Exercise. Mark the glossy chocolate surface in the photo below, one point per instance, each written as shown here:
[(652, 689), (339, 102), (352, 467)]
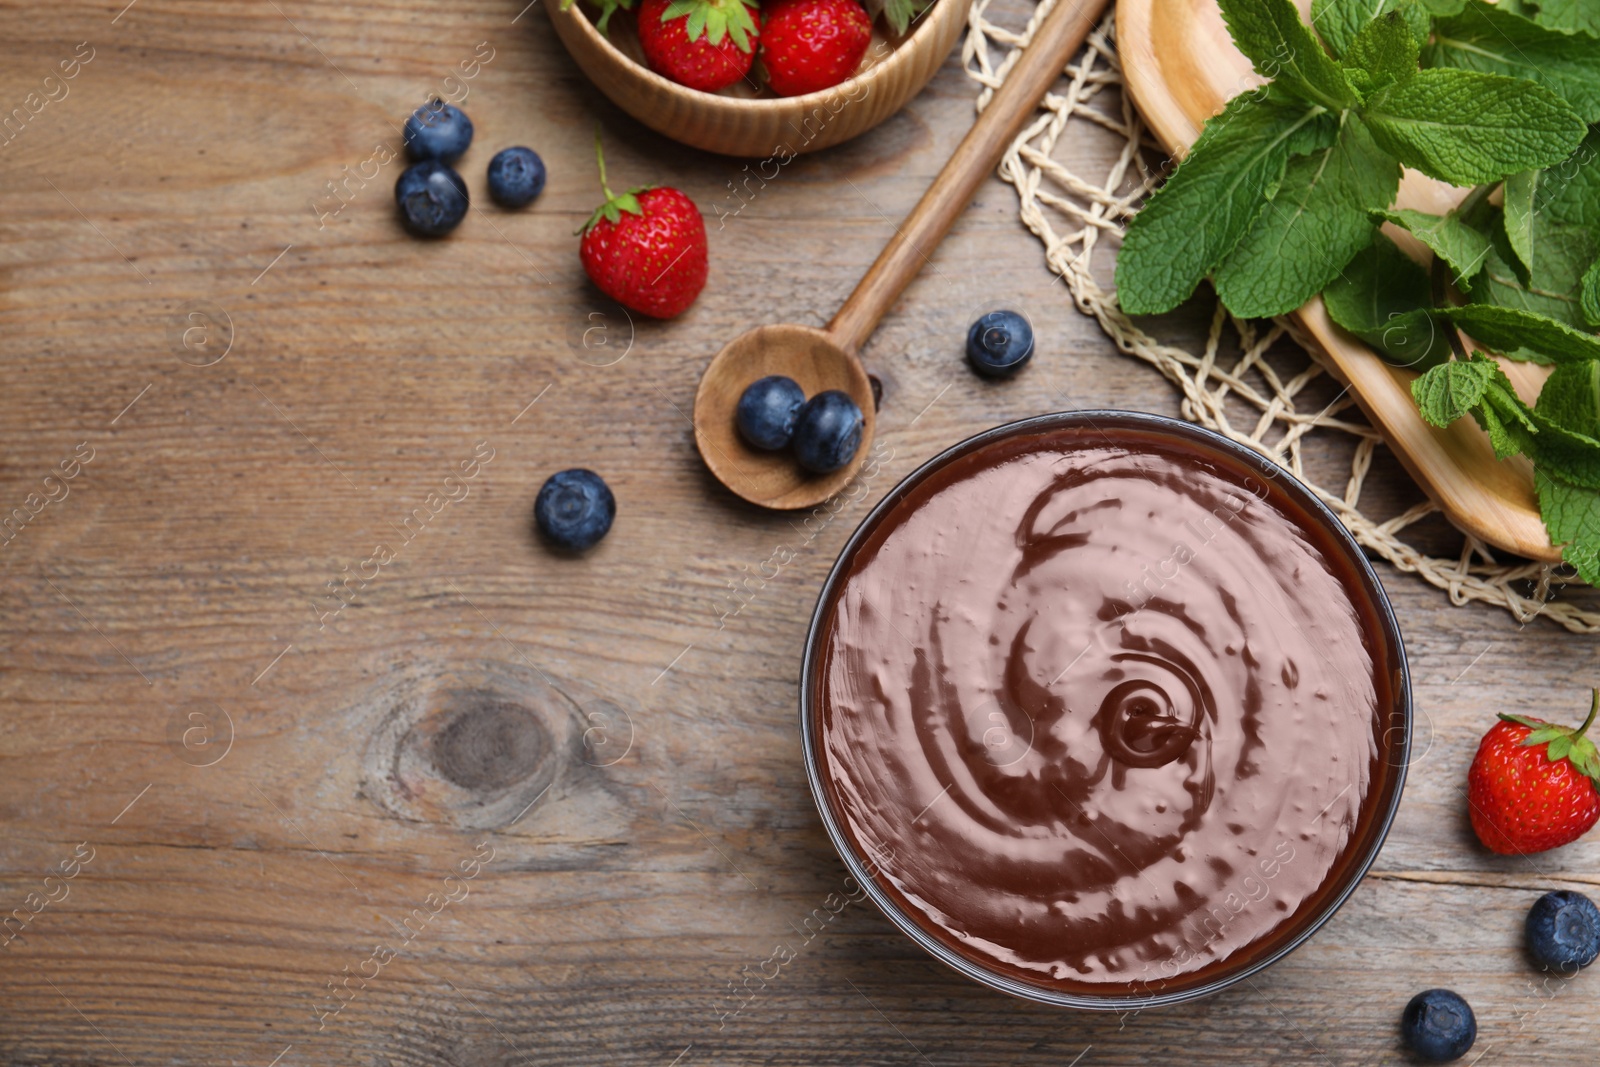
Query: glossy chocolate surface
[(1104, 709)]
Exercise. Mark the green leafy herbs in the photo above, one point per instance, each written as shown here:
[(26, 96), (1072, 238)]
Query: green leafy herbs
[(1484, 38), (1339, 22), (1282, 47), (1589, 294), (1313, 226), (1384, 52), (1451, 390), (1459, 244), (1211, 201), (1464, 126), (1288, 191), (1384, 298), (1274, 197), (1568, 16)]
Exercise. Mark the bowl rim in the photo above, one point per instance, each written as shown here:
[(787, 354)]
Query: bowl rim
[(900, 54), (1397, 756)]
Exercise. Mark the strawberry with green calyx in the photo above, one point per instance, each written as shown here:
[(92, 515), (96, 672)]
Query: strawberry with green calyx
[(645, 249), (1534, 785), (702, 44), (607, 9)]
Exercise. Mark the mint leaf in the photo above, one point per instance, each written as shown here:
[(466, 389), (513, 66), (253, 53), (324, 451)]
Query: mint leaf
[(1566, 237), (1212, 199), (1572, 517), (1519, 191), (1570, 16), (1384, 52), (1312, 228), (1452, 240), (1340, 21), (1553, 289), (1589, 294), (1566, 454), (1525, 335), (1384, 298), (1505, 418), (1465, 127), (1486, 39), (1449, 391), (1281, 47), (1571, 398)]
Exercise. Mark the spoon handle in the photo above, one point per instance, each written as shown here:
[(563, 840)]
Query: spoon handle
[(1057, 38)]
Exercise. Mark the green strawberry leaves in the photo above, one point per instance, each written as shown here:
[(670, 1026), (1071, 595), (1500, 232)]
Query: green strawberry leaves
[(1464, 126), (614, 206), (1563, 742), (715, 20)]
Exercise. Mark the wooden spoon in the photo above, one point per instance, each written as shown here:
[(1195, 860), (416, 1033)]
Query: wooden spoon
[(1181, 67), (827, 359)]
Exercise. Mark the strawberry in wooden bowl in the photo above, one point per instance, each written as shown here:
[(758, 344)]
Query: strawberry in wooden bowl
[(766, 80)]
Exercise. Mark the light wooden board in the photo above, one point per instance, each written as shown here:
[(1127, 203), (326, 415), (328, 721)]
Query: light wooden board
[(183, 572)]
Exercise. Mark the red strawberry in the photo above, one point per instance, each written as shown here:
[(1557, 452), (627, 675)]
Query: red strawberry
[(809, 45), (703, 44), (1533, 786), (646, 249)]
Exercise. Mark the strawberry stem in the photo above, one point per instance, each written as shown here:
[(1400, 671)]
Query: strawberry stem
[(600, 158), (1594, 706)]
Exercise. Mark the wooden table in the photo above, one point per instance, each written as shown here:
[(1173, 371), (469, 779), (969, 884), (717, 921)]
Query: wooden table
[(232, 793)]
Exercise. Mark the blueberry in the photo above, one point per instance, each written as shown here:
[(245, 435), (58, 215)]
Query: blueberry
[(767, 411), (574, 509), (437, 131), (827, 432), (432, 198), (516, 176), (999, 344), (1438, 1026), (1563, 931)]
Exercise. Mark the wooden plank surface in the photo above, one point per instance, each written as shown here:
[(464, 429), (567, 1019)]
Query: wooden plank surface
[(231, 770)]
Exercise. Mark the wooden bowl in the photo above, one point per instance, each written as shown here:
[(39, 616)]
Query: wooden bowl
[(738, 121)]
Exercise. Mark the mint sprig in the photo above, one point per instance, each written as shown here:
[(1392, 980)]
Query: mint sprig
[(1283, 194)]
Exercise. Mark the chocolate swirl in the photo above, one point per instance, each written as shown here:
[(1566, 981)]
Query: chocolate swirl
[(1106, 705)]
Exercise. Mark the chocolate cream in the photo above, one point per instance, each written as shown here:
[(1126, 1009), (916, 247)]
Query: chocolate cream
[(1102, 708)]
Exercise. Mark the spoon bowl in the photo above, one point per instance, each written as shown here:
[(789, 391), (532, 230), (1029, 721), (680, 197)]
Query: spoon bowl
[(826, 359), (815, 360)]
